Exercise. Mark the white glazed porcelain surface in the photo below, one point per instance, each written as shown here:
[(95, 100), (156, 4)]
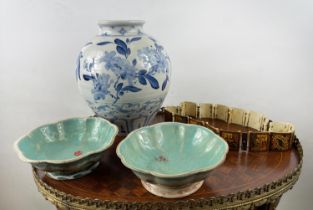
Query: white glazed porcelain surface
[(123, 74)]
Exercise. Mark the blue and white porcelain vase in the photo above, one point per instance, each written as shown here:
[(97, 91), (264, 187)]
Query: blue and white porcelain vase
[(123, 74)]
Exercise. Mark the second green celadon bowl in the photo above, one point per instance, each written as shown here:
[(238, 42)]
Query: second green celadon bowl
[(172, 159), (67, 149)]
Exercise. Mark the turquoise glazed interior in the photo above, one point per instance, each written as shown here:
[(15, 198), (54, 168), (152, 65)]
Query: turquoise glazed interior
[(172, 150), (67, 146)]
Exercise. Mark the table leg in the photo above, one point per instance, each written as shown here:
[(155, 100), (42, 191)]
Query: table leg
[(269, 206), (62, 208)]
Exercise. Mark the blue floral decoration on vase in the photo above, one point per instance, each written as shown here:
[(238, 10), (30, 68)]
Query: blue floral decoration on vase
[(123, 74)]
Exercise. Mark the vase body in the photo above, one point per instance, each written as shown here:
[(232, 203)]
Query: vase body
[(123, 74)]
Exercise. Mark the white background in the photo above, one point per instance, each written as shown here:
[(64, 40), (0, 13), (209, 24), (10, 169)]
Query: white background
[(250, 54)]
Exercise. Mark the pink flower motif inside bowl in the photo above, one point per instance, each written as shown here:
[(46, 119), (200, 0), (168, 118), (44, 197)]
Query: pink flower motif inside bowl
[(77, 153)]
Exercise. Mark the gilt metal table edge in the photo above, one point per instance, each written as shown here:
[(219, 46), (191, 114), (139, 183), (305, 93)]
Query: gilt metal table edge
[(268, 193)]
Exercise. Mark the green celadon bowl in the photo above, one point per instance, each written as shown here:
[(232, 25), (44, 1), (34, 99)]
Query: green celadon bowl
[(67, 149), (172, 159)]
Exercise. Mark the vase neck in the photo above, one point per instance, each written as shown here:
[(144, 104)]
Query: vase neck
[(120, 28)]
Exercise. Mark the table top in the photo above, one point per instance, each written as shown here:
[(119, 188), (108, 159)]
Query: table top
[(244, 179)]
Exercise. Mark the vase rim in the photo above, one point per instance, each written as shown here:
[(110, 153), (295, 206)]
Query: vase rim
[(121, 22)]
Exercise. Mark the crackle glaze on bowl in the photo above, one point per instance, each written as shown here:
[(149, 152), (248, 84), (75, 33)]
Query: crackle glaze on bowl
[(123, 74), (67, 149), (172, 159)]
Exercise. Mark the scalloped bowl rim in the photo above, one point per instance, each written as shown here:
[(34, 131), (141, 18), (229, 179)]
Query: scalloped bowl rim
[(184, 174), (25, 159)]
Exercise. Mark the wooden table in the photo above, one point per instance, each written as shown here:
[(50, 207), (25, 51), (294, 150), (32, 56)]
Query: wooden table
[(246, 180)]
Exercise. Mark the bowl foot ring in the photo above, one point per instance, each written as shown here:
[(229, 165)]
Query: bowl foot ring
[(172, 192), (59, 176)]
